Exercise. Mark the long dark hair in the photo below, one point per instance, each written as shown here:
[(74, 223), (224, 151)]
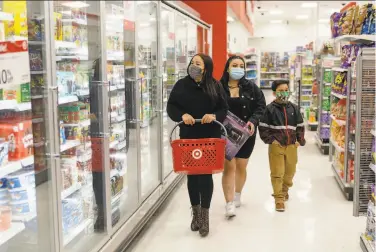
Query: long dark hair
[(208, 83), (226, 76)]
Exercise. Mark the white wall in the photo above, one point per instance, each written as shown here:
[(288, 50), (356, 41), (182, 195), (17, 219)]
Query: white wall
[(238, 42), (283, 37)]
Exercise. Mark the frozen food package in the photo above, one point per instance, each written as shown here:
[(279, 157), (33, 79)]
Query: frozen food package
[(237, 134)]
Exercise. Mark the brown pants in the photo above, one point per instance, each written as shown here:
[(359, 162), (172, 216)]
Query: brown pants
[(282, 161)]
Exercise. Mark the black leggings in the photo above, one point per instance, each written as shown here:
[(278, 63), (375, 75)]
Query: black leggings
[(200, 189)]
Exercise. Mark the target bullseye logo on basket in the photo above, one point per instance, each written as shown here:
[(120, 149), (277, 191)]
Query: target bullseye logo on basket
[(197, 154)]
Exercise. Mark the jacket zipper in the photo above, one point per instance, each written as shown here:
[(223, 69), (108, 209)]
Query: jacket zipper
[(287, 131)]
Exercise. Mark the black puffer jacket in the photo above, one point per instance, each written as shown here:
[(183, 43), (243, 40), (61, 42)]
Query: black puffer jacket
[(253, 100), (282, 122), (189, 97)]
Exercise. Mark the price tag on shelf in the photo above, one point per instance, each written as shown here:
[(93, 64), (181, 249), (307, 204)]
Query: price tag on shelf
[(14, 63)]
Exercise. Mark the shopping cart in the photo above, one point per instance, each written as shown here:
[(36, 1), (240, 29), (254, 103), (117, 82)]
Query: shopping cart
[(198, 156)]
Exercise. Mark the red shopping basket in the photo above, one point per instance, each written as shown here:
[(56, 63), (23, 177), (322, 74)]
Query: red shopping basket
[(198, 156)]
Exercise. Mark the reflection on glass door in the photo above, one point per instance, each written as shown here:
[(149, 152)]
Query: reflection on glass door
[(25, 174), (168, 80), (148, 90), (80, 105), (121, 72), (192, 40), (181, 28)]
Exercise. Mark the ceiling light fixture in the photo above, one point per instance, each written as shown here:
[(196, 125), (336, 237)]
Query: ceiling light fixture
[(275, 21), (75, 4), (302, 17), (230, 19), (309, 5), (276, 12)]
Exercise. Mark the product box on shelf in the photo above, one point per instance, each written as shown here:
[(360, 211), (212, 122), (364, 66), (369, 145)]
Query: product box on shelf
[(37, 84), (339, 109), (5, 218), (35, 29), (17, 26), (36, 59), (72, 213), (19, 137), (69, 172)]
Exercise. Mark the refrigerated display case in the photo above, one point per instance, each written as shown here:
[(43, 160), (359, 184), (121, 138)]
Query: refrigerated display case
[(181, 50), (83, 163)]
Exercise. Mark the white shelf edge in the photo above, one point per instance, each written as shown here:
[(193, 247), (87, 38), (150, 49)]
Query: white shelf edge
[(338, 148), (76, 231), (14, 166), (15, 228), (339, 122), (339, 96)]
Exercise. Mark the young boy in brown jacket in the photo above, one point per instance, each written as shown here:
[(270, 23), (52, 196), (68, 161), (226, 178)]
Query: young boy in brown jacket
[(282, 127)]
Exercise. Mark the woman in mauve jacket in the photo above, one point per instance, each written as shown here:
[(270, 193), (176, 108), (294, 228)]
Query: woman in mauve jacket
[(198, 96), (246, 100)]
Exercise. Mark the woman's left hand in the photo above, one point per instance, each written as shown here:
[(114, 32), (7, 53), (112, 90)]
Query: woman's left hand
[(208, 118), (251, 128)]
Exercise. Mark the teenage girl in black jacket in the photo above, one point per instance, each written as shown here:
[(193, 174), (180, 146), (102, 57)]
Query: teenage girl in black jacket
[(198, 96), (247, 102)]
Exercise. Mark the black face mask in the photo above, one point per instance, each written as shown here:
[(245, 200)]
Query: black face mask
[(194, 72)]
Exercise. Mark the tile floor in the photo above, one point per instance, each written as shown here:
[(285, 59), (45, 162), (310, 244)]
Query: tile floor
[(317, 217)]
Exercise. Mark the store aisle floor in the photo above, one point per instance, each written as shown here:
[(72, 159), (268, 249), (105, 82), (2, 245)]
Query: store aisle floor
[(317, 217)]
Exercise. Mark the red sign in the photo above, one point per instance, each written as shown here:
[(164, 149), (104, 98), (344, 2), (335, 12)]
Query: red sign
[(129, 25), (13, 47)]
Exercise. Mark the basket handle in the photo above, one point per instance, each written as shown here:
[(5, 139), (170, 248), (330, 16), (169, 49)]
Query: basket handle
[(197, 121)]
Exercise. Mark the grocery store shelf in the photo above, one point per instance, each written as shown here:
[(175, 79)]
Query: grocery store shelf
[(69, 191), (373, 167), (14, 229), (116, 197), (274, 72), (24, 218), (338, 69), (13, 105), (345, 187), (14, 166), (251, 78), (356, 38), (274, 79), (76, 231), (313, 123), (339, 96), (365, 244), (338, 121), (373, 132), (67, 99), (84, 123), (335, 144), (69, 145)]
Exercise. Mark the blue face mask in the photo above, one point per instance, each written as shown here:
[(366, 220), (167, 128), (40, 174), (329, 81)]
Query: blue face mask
[(236, 73)]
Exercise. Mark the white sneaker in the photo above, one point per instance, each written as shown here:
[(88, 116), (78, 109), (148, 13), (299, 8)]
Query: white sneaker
[(237, 201), (230, 209)]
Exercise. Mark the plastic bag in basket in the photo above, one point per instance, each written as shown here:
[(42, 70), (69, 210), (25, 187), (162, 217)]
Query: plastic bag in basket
[(237, 134)]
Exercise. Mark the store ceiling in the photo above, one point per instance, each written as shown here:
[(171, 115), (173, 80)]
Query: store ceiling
[(287, 11)]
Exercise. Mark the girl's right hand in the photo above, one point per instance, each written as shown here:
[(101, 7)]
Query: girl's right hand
[(188, 119)]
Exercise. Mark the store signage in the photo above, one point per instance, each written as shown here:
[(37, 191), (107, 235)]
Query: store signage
[(14, 63), (328, 63)]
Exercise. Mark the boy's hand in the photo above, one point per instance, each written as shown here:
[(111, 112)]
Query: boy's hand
[(251, 128), (297, 144)]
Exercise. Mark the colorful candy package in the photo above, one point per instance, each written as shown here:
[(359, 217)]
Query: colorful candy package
[(334, 19)]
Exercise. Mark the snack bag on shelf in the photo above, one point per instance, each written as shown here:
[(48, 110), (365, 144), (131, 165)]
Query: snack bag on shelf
[(324, 133), (370, 18), (326, 104), (346, 56), (374, 151), (58, 26), (325, 118), (341, 109), (334, 20), (362, 15), (327, 76), (346, 21)]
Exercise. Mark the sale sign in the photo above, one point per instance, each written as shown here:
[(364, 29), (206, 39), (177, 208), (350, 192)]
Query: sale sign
[(14, 64)]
